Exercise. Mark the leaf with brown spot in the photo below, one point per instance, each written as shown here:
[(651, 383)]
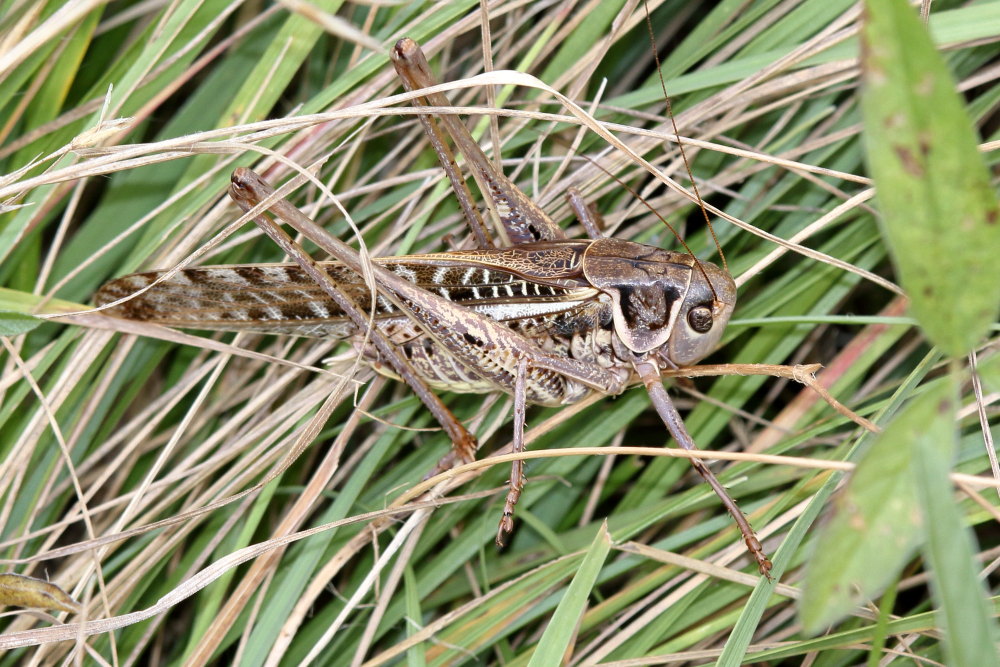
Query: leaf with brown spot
[(938, 209)]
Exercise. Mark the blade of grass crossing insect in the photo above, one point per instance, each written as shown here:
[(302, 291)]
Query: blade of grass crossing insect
[(562, 627), (941, 217)]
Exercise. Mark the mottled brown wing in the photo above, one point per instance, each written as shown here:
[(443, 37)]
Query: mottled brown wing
[(275, 298), (282, 299)]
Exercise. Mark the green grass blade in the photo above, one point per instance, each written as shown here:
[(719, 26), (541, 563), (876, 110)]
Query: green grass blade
[(563, 625)]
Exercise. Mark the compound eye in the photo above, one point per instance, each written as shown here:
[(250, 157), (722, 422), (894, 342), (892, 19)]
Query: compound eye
[(700, 319)]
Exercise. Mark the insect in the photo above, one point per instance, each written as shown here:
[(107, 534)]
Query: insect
[(537, 315)]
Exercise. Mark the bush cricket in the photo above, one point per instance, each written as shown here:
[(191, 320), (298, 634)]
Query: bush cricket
[(537, 315)]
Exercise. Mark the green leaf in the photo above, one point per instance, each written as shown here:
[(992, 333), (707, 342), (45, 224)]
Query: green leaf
[(940, 215), (875, 526), (563, 625), (989, 373), (970, 634), (14, 324)]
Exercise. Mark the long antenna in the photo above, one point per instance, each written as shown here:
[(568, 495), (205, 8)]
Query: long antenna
[(680, 144)]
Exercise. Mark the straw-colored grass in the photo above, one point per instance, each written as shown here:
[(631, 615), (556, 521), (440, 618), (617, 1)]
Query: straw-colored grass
[(244, 499)]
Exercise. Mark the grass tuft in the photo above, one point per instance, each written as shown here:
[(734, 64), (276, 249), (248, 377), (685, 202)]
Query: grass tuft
[(245, 499)]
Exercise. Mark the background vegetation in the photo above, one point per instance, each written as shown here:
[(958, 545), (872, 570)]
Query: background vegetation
[(131, 464)]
